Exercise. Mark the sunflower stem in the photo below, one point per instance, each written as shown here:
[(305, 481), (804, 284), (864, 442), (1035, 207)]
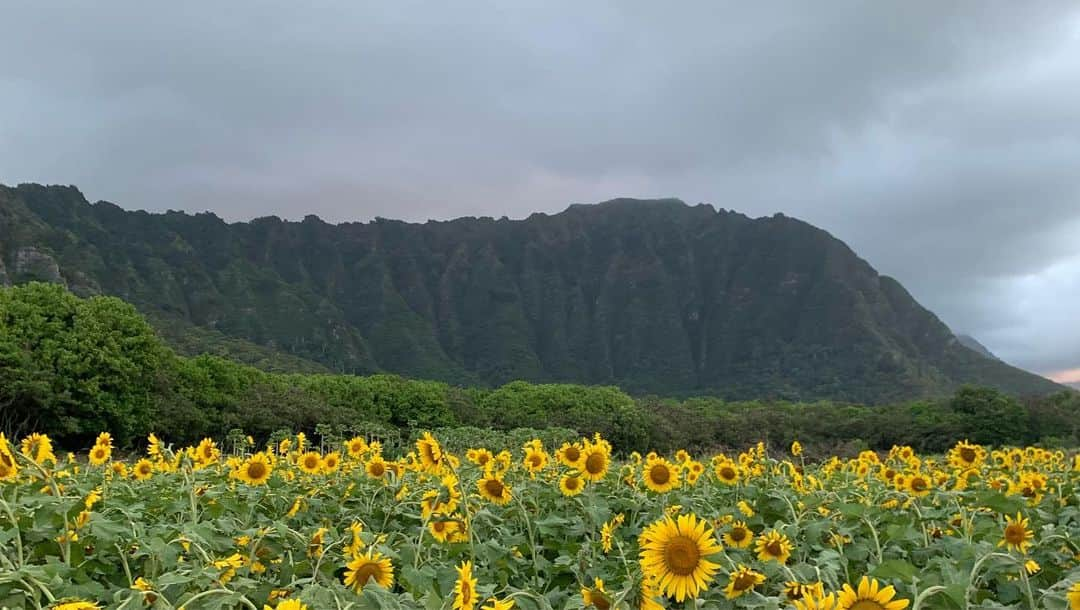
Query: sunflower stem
[(532, 538), (924, 594)]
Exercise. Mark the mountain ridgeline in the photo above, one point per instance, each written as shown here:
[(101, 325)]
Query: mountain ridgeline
[(653, 296)]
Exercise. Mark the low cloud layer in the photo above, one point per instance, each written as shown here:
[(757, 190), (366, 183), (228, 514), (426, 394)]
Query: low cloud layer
[(941, 141)]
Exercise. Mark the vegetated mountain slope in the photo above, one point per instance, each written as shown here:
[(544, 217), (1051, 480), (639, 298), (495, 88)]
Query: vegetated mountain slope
[(654, 296)]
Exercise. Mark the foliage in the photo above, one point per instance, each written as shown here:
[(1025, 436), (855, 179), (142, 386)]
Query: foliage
[(247, 526), (70, 367), (76, 366)]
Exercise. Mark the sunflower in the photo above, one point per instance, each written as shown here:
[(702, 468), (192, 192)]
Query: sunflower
[(315, 543), (494, 488), (9, 469), (465, 588), (773, 546), (447, 530), (355, 447), (430, 452), (694, 467), (497, 604), (569, 455), (966, 455), (870, 595), (739, 536), (256, 470), (607, 532), (649, 592), (481, 457), (1074, 596), (357, 543), (146, 587), (38, 447), (153, 447), (288, 604), (143, 470), (814, 602), (727, 472), (104, 439), (741, 581), (311, 462), (376, 467), (441, 501), (1017, 535), (660, 475), (595, 461), (535, 459), (331, 462), (571, 484), (369, 567), (794, 590), (596, 596), (207, 452), (917, 484), (77, 605), (674, 551), (100, 454)]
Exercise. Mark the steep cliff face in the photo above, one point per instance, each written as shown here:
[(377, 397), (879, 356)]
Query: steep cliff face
[(655, 296)]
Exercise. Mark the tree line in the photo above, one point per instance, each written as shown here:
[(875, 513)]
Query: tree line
[(73, 367)]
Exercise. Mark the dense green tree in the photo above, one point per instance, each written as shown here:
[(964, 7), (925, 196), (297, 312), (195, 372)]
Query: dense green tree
[(73, 367), (77, 366), (991, 417)]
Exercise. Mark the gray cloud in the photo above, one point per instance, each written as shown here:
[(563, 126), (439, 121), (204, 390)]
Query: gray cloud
[(939, 140)]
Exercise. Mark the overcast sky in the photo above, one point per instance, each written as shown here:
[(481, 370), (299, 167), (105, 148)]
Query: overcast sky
[(940, 140)]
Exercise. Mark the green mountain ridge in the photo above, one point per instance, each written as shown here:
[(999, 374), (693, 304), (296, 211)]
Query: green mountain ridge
[(654, 296)]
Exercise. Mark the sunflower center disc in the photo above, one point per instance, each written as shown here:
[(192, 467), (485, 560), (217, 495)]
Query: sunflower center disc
[(366, 572), (257, 470), (494, 487), (727, 472), (659, 474), (967, 454), (738, 534), (682, 555), (918, 485), (595, 463), (744, 582), (867, 604), (774, 548), (572, 454), (1014, 534)]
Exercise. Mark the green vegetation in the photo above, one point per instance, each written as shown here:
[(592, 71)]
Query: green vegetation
[(72, 367), (655, 297)]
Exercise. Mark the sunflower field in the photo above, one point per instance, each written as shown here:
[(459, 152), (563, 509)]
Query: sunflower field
[(290, 526)]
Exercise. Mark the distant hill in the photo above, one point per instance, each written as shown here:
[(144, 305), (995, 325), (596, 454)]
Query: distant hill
[(971, 343), (655, 296)]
